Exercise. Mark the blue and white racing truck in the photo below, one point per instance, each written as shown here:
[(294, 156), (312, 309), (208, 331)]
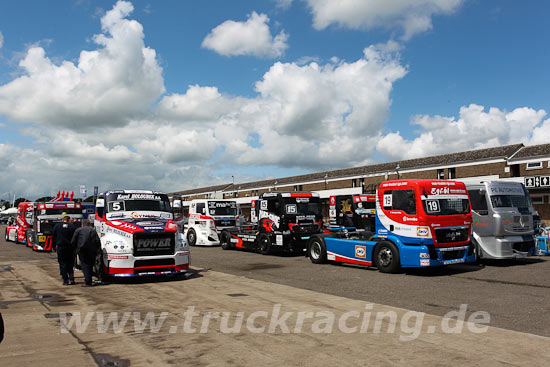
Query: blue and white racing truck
[(419, 223)]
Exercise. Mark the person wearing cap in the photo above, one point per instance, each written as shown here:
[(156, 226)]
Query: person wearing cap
[(62, 234)]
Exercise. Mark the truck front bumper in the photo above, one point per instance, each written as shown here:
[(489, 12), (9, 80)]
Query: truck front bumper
[(510, 247), (126, 265), (421, 256)]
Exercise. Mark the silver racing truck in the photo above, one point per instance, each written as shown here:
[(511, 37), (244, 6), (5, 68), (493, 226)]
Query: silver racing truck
[(502, 216)]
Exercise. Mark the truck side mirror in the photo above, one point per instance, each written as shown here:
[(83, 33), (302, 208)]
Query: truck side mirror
[(176, 204)]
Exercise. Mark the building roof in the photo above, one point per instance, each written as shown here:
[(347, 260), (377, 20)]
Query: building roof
[(533, 151), (503, 152)]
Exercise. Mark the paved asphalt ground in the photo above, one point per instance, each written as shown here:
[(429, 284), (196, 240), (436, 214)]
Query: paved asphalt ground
[(515, 293)]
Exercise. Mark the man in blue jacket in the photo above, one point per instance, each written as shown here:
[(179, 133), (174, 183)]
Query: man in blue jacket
[(62, 235)]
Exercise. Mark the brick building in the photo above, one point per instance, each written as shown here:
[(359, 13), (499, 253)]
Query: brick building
[(526, 164)]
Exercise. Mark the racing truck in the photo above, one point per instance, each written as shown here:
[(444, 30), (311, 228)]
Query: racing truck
[(24, 220), (353, 211), (419, 223), (207, 218), (503, 216), (280, 220), (138, 235), (46, 215)]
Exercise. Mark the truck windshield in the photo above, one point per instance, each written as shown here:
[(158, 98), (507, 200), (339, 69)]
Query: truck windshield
[(446, 206), (137, 202), (222, 208), (60, 211), (510, 201), (302, 206)]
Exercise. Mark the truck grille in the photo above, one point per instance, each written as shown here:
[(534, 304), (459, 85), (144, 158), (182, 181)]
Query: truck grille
[(521, 223), (451, 255), (154, 244), (225, 222), (450, 235), (305, 228)]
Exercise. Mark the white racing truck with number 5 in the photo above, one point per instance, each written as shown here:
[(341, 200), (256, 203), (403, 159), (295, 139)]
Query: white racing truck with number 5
[(138, 235)]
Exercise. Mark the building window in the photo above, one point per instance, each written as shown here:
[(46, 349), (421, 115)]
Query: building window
[(514, 170), (441, 174), (295, 187), (539, 199), (354, 182), (452, 173), (534, 165)]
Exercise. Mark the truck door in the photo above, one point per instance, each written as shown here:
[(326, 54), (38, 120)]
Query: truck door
[(480, 212)]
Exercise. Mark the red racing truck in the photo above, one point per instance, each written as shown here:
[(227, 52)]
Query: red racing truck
[(24, 221), (419, 223), (46, 215)]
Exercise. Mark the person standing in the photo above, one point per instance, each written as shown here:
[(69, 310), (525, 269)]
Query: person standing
[(62, 235), (87, 243)]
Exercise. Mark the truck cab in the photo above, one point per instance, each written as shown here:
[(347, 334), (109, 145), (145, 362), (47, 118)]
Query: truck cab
[(357, 211), (138, 235), (24, 221), (280, 220), (503, 215), (208, 217), (46, 216), (419, 223)]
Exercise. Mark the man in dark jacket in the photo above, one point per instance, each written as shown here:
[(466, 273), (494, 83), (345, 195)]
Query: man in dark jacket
[(62, 234), (87, 243)]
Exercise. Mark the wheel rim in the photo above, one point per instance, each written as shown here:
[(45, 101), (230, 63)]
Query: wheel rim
[(385, 257), (315, 251), (191, 237)]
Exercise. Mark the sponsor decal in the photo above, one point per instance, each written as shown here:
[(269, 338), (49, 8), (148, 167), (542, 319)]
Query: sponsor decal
[(138, 197), (149, 223), (424, 255), (332, 200), (361, 251), (439, 190), (279, 240), (477, 223), (119, 232), (137, 215), (151, 244), (424, 262), (331, 257), (455, 261), (422, 231)]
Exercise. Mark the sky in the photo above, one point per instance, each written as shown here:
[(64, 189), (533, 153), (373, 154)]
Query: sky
[(171, 95)]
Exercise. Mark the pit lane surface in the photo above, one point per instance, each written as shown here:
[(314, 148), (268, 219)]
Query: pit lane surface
[(515, 293)]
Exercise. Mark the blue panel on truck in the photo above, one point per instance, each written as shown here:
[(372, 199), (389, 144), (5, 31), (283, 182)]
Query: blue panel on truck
[(350, 251)]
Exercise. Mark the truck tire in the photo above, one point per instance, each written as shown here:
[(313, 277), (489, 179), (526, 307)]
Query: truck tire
[(98, 267), (264, 244), (317, 251), (386, 257), (7, 237), (191, 237), (225, 241)]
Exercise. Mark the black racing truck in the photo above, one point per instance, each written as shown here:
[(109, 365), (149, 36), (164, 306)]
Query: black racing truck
[(279, 221)]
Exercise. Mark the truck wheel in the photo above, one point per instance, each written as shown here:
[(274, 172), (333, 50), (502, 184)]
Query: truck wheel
[(191, 237), (317, 251), (98, 267), (7, 237), (225, 241), (386, 257), (264, 244)]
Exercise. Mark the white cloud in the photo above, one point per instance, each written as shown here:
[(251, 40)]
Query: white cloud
[(474, 129), (253, 37), (108, 85), (283, 4), (410, 16)]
